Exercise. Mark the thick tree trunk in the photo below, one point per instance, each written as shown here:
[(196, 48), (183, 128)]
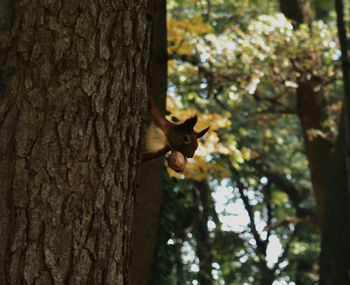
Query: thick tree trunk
[(149, 194), (73, 93)]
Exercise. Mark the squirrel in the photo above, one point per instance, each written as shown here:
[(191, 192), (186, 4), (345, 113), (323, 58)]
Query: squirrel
[(163, 136)]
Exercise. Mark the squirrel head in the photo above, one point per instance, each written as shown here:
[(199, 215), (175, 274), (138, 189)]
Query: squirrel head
[(184, 138)]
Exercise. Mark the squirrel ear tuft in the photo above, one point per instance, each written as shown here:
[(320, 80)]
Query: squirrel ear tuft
[(202, 133), (189, 123)]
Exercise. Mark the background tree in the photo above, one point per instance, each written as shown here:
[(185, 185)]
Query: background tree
[(73, 95), (335, 260), (149, 193)]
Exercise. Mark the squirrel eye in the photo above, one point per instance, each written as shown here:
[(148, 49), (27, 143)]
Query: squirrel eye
[(186, 138)]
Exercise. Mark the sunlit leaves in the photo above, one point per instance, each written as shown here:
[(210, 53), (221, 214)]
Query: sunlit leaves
[(183, 34)]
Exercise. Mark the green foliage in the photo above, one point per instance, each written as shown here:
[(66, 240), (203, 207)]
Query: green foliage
[(177, 211)]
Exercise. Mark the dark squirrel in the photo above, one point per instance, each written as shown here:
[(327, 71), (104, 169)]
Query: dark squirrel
[(163, 135)]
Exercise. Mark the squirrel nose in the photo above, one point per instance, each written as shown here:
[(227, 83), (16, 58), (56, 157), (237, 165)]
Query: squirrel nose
[(189, 155)]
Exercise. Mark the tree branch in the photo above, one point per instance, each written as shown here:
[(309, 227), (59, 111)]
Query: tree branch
[(267, 197), (261, 244), (286, 249), (288, 187)]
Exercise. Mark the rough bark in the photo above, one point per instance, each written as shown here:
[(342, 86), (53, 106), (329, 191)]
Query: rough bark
[(312, 110), (73, 93), (149, 196)]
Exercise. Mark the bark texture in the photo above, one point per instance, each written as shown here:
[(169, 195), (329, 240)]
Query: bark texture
[(149, 194), (73, 93)]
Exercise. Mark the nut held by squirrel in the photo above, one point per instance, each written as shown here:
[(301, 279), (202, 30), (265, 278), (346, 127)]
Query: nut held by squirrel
[(177, 161)]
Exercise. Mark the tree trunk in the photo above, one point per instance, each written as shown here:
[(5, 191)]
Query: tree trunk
[(345, 50), (73, 93), (201, 232), (312, 112), (335, 254), (312, 109), (149, 194), (296, 10)]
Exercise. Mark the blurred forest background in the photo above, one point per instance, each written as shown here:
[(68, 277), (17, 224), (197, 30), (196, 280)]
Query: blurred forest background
[(252, 205)]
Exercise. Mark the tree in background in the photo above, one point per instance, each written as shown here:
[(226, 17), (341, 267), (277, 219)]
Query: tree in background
[(73, 95), (335, 258), (149, 193)]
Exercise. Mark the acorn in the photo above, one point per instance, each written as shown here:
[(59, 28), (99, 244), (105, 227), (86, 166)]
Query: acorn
[(177, 161)]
